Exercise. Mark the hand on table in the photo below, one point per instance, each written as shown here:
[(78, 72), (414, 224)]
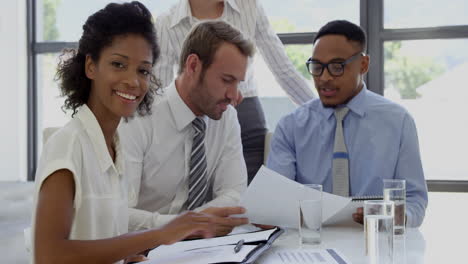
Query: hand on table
[(135, 259), (264, 226), (358, 217), (186, 225)]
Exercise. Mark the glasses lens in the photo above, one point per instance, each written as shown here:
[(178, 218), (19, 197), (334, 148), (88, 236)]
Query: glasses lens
[(315, 69), (335, 69)]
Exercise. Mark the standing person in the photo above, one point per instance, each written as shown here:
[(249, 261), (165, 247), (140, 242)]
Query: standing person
[(249, 17), (81, 191), (349, 139), (189, 154)]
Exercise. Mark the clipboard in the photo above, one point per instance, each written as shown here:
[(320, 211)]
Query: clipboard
[(216, 250), (262, 246)]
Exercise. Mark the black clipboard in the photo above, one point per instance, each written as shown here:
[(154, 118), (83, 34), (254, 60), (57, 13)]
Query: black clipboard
[(262, 246)]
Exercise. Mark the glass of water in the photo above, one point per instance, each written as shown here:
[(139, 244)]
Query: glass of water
[(378, 231), (395, 190), (310, 214)]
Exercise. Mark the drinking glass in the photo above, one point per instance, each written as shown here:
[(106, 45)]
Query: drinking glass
[(378, 231), (395, 190)]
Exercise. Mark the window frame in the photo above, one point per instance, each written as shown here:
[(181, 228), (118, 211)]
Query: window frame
[(371, 20)]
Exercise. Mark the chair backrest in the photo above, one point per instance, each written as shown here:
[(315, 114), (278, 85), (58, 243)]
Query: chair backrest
[(47, 132), (268, 136)]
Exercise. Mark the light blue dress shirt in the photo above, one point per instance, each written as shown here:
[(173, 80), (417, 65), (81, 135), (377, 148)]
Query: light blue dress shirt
[(382, 143)]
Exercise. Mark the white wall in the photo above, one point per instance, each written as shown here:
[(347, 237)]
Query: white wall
[(13, 83)]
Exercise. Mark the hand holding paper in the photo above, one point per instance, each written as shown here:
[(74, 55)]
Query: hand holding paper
[(273, 199)]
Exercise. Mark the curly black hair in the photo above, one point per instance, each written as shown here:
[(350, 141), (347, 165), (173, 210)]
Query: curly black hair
[(99, 31)]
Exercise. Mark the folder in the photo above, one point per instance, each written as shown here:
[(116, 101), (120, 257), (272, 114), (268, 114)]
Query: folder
[(216, 250)]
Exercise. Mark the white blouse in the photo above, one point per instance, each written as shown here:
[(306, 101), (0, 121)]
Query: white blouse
[(100, 202)]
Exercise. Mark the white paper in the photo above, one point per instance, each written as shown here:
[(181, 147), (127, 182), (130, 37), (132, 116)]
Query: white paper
[(273, 199), (210, 242), (304, 256), (344, 216), (203, 255)]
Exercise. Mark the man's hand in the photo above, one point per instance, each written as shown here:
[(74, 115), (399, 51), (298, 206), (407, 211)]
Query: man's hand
[(264, 226), (358, 217), (222, 221), (188, 224)]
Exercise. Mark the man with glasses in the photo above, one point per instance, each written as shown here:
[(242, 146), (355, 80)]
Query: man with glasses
[(349, 139)]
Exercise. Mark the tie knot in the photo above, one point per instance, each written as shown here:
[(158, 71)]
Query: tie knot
[(199, 125), (340, 113)]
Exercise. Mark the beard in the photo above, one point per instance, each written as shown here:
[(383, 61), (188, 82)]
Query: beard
[(206, 103)]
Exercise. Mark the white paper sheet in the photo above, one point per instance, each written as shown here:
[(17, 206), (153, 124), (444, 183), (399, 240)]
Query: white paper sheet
[(273, 199), (304, 256), (344, 216)]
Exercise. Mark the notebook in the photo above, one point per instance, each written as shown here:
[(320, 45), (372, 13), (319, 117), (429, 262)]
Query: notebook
[(365, 198), (216, 250), (344, 216)]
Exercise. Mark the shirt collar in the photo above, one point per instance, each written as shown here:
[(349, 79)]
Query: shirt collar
[(182, 10), (181, 113), (94, 132), (358, 103), (355, 105), (233, 5)]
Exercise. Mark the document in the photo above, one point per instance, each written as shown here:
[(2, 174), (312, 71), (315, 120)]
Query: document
[(236, 248), (344, 215), (304, 256), (273, 199), (216, 254), (211, 242)]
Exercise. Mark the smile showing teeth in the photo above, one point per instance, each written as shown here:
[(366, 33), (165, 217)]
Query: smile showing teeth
[(126, 96)]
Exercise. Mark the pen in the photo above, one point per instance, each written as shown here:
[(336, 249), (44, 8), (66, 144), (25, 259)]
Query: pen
[(239, 245)]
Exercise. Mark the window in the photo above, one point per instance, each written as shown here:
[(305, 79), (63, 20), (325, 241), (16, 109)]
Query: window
[(424, 13), (308, 15), (428, 77), (50, 102), (62, 20)]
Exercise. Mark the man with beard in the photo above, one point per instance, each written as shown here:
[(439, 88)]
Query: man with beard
[(188, 154), (349, 139)]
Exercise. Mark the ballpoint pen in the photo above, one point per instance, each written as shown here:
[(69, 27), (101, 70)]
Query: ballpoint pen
[(239, 245)]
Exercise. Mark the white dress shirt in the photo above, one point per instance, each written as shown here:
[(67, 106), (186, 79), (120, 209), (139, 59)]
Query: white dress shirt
[(249, 17), (100, 202), (158, 149)]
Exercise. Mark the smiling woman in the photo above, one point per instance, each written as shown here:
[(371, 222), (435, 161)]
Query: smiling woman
[(81, 189), (120, 79)]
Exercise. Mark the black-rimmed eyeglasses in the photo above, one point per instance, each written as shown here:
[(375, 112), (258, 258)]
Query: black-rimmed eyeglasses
[(335, 69)]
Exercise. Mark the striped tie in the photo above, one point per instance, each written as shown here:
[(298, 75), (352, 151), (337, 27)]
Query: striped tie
[(340, 157), (197, 175)]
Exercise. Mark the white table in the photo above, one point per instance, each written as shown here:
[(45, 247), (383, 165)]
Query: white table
[(441, 238)]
